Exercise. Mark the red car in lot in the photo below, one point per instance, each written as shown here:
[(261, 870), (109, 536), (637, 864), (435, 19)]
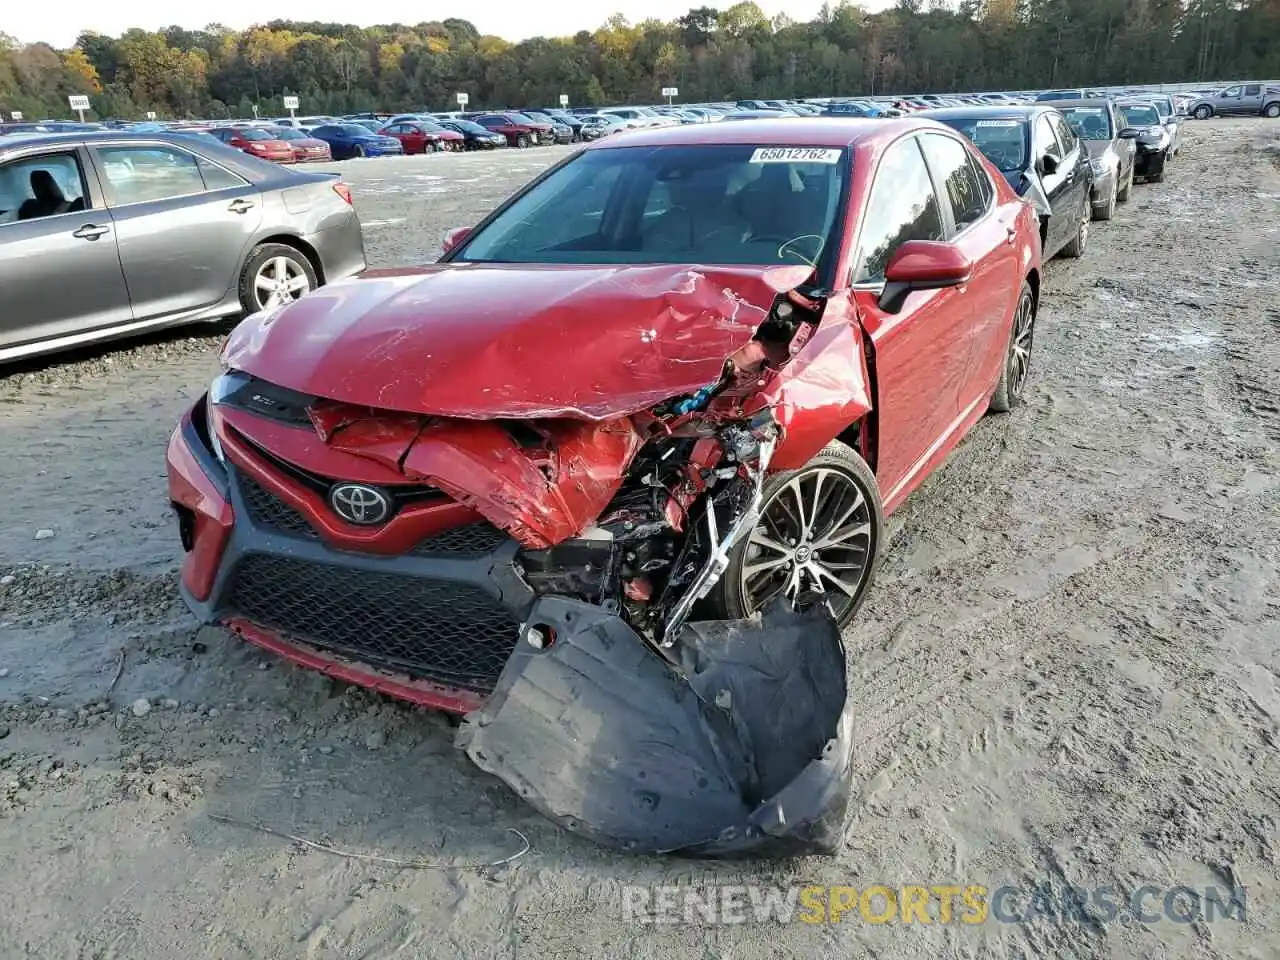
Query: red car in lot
[(256, 141), (520, 131), (690, 369), (423, 136), (306, 149)]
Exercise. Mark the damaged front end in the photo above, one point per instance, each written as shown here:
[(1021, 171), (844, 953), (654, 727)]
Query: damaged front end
[(629, 710)]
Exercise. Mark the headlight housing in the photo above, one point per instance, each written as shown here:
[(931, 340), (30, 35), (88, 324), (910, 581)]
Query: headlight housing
[(1099, 167)]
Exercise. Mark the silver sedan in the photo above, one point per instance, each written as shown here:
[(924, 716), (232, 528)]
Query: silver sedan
[(105, 234)]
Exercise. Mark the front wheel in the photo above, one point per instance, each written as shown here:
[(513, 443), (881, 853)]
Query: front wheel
[(1017, 359), (1122, 194), (1158, 175), (1203, 112), (358, 151), (819, 532), (1108, 209), (1076, 247), (522, 141)]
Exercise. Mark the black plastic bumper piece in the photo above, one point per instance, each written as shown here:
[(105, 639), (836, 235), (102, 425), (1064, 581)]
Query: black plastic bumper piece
[(739, 745)]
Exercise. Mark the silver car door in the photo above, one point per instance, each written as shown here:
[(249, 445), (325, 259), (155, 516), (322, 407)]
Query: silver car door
[(59, 266), (184, 224)]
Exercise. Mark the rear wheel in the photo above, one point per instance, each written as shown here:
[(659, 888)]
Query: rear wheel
[(1271, 110), (819, 531), (1017, 360), (359, 150), (273, 275)]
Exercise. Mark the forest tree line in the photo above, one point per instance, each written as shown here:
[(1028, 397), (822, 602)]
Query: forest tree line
[(708, 54)]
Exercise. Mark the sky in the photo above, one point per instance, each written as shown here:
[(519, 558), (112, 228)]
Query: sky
[(510, 19)]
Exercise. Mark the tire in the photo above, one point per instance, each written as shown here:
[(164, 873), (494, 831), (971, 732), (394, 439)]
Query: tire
[(1076, 245), (1108, 211), (1122, 194), (263, 266), (1203, 112), (1013, 377), (836, 462), (522, 141), (358, 150), (1271, 110)]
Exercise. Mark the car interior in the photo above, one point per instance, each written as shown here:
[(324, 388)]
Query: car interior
[(40, 187)]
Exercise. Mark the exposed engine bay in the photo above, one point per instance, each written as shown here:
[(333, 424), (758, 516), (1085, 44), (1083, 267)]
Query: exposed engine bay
[(734, 733)]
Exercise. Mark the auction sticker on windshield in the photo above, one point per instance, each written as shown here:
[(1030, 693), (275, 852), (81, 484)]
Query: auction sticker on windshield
[(795, 155), (997, 123)]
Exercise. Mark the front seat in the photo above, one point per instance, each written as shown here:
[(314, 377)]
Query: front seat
[(47, 200)]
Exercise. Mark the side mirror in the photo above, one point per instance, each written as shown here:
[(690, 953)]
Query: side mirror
[(1047, 165), (1129, 133), (453, 239), (922, 265)]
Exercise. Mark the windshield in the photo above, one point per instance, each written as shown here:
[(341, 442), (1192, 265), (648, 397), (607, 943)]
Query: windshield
[(1089, 123), (254, 133), (465, 126), (1140, 115), (285, 133), (521, 118), (713, 204), (1004, 142), (353, 130)]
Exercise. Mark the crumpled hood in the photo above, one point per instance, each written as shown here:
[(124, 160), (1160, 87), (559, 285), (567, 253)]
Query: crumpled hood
[(481, 341)]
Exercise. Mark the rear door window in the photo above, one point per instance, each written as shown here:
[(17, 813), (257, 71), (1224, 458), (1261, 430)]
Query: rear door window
[(949, 161), (1252, 89), (140, 174), (42, 186)]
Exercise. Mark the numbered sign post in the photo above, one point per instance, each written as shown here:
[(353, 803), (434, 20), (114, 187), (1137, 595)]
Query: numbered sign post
[(79, 104), (463, 100), (670, 93), (151, 114), (16, 114), (291, 104), (564, 99)]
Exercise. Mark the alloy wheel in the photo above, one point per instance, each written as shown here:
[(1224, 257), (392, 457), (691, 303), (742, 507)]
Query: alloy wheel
[(815, 535), (1024, 324), (279, 280)]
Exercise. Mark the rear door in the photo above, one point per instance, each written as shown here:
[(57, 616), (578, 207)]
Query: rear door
[(59, 269), (183, 224), (1251, 98), (921, 352), (985, 235)]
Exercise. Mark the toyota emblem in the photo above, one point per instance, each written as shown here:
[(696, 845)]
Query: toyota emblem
[(356, 503)]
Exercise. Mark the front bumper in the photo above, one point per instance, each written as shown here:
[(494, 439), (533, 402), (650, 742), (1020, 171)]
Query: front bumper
[(1148, 162), (434, 626)]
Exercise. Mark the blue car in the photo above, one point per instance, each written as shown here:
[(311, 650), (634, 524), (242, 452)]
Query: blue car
[(347, 140)]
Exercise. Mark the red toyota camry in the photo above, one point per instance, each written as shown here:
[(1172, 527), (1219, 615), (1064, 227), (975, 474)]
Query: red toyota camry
[(683, 374)]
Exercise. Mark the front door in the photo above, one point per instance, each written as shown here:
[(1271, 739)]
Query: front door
[(183, 224), (922, 351), (59, 269), (1059, 186)]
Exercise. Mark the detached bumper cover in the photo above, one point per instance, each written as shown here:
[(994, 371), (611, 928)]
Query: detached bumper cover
[(740, 747)]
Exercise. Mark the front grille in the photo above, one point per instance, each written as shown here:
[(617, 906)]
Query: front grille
[(268, 510), (472, 540), (451, 633)]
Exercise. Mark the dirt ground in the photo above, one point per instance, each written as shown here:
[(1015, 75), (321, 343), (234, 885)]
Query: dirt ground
[(1067, 672)]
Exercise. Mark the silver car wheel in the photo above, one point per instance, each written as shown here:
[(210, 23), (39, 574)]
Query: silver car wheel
[(279, 280)]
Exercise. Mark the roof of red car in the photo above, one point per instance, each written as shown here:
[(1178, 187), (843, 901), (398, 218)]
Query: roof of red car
[(790, 131)]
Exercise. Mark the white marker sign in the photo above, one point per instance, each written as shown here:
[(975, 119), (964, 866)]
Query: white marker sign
[(564, 99), (463, 99), (17, 114), (671, 91), (291, 103), (78, 102), (796, 155), (151, 114)]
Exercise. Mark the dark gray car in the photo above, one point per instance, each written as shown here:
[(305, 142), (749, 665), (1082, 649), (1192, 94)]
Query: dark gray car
[(1097, 123), (1241, 99), (107, 234)]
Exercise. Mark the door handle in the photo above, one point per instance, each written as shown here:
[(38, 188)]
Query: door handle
[(240, 206), (90, 232)]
